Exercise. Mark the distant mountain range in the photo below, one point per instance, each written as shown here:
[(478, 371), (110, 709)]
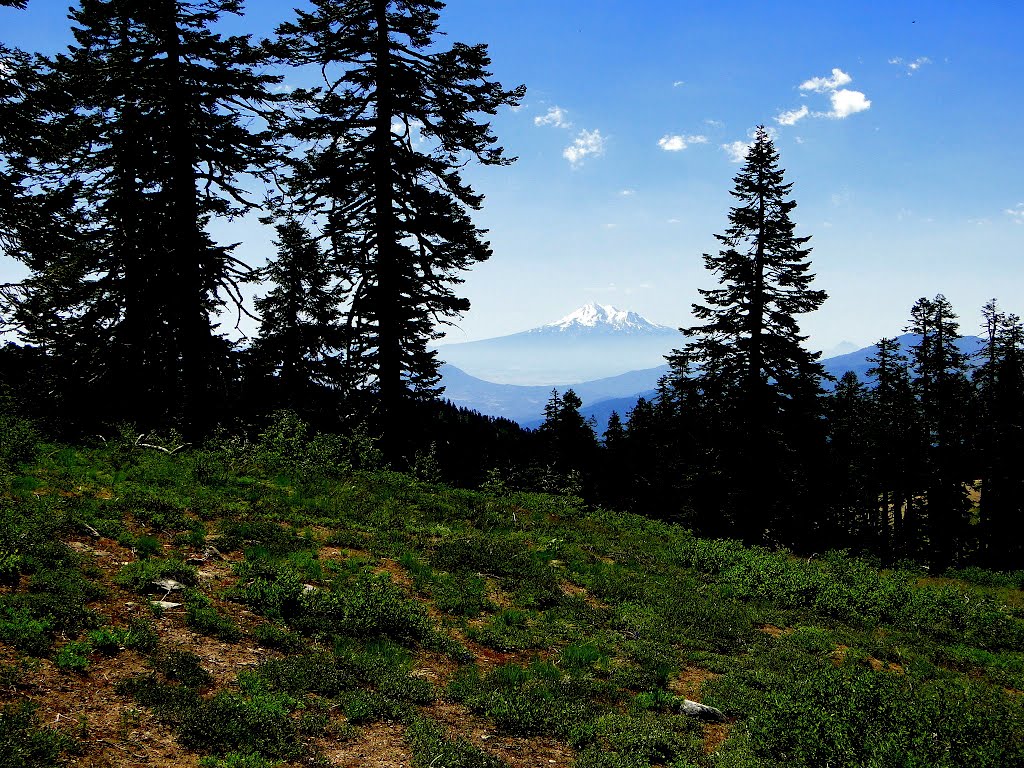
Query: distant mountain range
[(506, 371), (594, 342)]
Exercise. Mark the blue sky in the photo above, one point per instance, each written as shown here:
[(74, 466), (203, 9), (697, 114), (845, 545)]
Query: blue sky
[(902, 139)]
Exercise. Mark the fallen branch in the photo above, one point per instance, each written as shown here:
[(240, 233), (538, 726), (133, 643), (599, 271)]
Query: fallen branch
[(162, 449)]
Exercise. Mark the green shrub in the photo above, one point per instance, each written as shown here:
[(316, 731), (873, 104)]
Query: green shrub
[(201, 616), (460, 595), (24, 743), (228, 722), (147, 546), (536, 699), (22, 630), (366, 606), (139, 576), (73, 657), (238, 760), (508, 630), (430, 747), (139, 635), (19, 441), (273, 636), (183, 667)]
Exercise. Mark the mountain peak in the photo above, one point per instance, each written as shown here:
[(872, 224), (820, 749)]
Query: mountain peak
[(603, 318)]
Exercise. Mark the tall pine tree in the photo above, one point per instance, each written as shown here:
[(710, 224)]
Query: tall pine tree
[(945, 400), (999, 380), (748, 356), (384, 141), (160, 137)]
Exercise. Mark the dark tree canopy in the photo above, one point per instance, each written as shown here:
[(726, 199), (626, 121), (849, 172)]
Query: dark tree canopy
[(749, 366), (157, 135), (390, 129)]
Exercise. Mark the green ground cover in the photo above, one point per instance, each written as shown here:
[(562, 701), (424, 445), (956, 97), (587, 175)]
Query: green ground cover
[(378, 598)]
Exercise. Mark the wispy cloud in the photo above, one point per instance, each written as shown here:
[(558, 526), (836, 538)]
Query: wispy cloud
[(912, 66), (678, 83), (677, 143), (1016, 213), (825, 84), (628, 192), (793, 116), (555, 116), (587, 144)]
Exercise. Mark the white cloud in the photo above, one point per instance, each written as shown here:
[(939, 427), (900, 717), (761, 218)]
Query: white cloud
[(793, 116), (714, 123), (895, 60), (628, 192), (737, 150), (672, 221), (555, 116), (586, 144), (798, 139), (1017, 213), (846, 103), (677, 143), (678, 83), (824, 84)]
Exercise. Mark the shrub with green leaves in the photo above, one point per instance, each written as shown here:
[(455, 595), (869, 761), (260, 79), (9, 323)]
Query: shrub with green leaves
[(802, 710), (431, 747), (183, 667), (140, 575), (203, 617), (73, 656), (231, 722), (25, 743), (536, 699), (19, 440)]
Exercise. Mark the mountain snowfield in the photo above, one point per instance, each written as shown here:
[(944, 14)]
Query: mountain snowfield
[(605, 319), (608, 356)]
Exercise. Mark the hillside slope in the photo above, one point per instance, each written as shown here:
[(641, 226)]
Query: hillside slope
[(256, 605)]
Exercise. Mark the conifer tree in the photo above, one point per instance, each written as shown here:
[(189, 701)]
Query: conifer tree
[(383, 142), (999, 380), (159, 136), (852, 498), (300, 333), (569, 437), (747, 353), (895, 448), (944, 394)]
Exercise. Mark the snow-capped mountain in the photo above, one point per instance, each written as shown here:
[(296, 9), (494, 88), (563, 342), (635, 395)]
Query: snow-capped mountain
[(603, 318), (595, 341)]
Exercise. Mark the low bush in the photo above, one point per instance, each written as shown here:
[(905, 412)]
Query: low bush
[(25, 743), (183, 667), (140, 575), (431, 747), (201, 616)]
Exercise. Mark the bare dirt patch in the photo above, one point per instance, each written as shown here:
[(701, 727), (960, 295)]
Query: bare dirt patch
[(689, 682), (380, 745)]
